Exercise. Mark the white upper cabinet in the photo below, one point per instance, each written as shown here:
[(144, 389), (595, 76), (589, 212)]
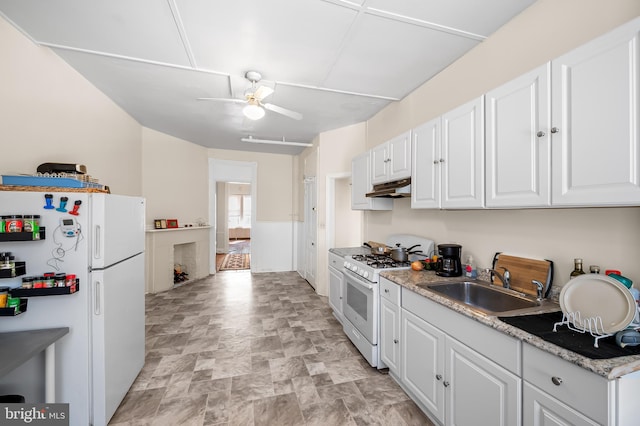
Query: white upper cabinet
[(595, 107), (518, 154), (391, 160), (425, 170), (462, 156), (448, 160), (361, 184)]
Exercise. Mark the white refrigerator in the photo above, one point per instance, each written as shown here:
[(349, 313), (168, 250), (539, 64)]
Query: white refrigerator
[(103, 245)]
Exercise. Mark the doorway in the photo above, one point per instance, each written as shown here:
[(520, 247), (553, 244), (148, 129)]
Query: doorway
[(232, 209), (233, 215)]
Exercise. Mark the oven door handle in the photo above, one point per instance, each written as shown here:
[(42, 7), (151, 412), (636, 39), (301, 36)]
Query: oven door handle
[(357, 280)]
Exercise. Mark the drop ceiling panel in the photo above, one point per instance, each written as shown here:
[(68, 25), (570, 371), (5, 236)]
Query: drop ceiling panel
[(473, 16), (284, 40), (390, 58), (142, 28)]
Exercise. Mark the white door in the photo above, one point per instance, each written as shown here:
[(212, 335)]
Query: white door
[(480, 389), (336, 291), (118, 347), (390, 334), (425, 170), (595, 107), (463, 156), (380, 160), (541, 409), (400, 155), (311, 233), (518, 159), (422, 366)]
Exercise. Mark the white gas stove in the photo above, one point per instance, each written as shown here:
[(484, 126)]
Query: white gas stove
[(361, 293)]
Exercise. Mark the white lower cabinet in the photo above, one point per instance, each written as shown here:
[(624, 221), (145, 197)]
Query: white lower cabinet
[(456, 384), (390, 325), (541, 409)]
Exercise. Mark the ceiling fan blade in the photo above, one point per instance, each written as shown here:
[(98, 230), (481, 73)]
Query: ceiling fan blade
[(283, 111), (240, 101), (262, 92)]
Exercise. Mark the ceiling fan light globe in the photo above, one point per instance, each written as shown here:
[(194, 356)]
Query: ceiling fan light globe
[(253, 112)]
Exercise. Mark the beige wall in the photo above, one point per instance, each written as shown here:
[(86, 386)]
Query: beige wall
[(608, 237), (50, 113), (175, 178), (274, 182)]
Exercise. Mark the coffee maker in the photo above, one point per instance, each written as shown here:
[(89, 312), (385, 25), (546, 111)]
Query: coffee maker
[(449, 264)]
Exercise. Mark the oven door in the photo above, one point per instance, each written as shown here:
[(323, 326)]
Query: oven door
[(361, 305)]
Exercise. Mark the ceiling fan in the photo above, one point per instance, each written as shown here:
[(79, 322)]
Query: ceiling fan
[(255, 108)]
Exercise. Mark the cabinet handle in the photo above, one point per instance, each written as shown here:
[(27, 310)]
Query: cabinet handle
[(540, 134), (556, 380), (442, 160), (554, 130), (395, 341), (435, 161), (386, 290), (438, 377), (446, 384)]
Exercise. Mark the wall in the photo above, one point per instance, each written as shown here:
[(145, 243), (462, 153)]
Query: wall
[(607, 237), (336, 148), (174, 178), (50, 113)]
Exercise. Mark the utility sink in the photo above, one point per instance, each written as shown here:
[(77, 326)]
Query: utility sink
[(481, 297)]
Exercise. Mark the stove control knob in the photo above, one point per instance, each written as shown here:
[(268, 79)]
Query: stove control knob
[(354, 268), (346, 264), (366, 274)]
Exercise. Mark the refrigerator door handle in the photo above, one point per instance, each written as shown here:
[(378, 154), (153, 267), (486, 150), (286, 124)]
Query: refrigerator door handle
[(97, 308), (96, 249)]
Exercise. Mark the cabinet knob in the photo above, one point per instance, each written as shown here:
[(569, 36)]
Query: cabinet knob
[(386, 290), (554, 130), (556, 380), (438, 377), (395, 341), (435, 161), (442, 160), (540, 134), (446, 384)]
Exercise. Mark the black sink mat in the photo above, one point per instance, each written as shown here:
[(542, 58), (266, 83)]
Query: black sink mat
[(541, 325)]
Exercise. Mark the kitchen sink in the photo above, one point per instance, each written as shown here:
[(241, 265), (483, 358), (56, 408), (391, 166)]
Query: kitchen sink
[(482, 297)]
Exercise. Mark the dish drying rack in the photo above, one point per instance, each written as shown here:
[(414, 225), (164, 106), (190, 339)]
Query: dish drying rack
[(592, 325)]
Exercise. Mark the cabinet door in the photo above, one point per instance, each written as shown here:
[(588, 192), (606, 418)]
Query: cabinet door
[(361, 184), (400, 155), (422, 362), (335, 291), (425, 169), (595, 107), (518, 158), (380, 160), (390, 334), (480, 389), (541, 409), (463, 156)]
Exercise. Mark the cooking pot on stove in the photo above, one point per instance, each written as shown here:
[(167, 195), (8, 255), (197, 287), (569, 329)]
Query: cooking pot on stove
[(401, 254)]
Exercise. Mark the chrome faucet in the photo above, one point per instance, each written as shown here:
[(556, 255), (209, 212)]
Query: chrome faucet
[(539, 288), (505, 279)]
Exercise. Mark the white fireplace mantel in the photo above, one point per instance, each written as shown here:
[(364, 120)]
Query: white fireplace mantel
[(164, 245)]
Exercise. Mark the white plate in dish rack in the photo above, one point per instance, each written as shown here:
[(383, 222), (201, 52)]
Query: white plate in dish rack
[(595, 295)]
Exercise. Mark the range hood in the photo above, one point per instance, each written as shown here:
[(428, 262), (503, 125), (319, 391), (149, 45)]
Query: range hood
[(396, 189)]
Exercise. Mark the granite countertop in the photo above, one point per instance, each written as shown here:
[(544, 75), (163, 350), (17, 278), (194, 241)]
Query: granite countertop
[(609, 368), (350, 251)]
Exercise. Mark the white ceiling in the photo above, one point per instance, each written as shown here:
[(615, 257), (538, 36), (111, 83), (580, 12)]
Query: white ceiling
[(337, 62)]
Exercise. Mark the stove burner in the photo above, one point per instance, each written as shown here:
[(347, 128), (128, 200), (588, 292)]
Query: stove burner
[(379, 261)]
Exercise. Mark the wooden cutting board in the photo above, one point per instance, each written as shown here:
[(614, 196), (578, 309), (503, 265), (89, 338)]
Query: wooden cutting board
[(522, 271)]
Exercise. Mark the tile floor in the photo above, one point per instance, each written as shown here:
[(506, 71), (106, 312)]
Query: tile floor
[(255, 349)]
